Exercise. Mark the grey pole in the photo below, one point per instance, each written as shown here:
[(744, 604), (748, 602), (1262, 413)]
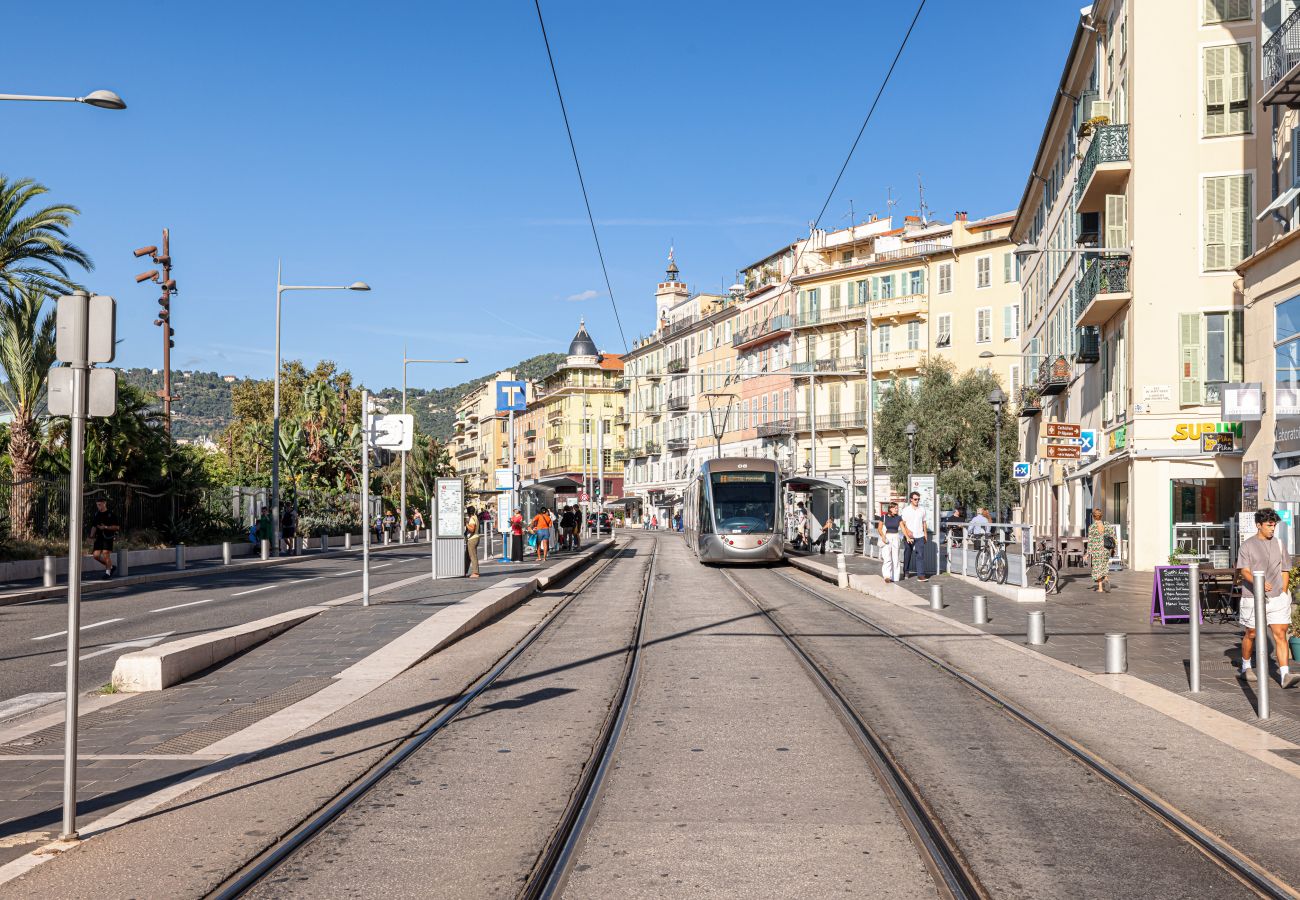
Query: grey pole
[(1261, 644), (812, 418), (997, 461), (225, 553), (1036, 633), (365, 497), (514, 474), (79, 308), (600, 469), (265, 548), (1194, 627), (180, 557), (275, 423), (1116, 653), (936, 597), (123, 566), (871, 433), (979, 611), (401, 520), (347, 541), (49, 574)]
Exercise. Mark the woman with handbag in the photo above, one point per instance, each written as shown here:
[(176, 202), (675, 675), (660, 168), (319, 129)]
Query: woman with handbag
[(1101, 543), (471, 542)]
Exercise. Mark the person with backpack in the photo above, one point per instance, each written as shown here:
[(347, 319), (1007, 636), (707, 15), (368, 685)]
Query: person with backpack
[(1101, 544), (541, 527)]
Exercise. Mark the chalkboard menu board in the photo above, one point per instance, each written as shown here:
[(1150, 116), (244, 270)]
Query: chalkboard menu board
[(1171, 594)]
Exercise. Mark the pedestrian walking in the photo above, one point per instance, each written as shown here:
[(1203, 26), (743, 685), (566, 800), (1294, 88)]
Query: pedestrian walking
[(471, 543), (567, 521), (417, 522), (1101, 541), (517, 536), (891, 545), (265, 527), (104, 527), (289, 530), (1264, 551), (916, 531), (541, 528)]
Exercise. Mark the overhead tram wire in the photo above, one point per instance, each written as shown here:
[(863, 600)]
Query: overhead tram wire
[(847, 159), (581, 181)]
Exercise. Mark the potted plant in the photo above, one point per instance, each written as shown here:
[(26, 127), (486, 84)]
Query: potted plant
[(1293, 633)]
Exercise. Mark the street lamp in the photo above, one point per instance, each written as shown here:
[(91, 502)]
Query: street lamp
[(854, 449), (996, 400), (275, 420), (910, 431), (807, 469), (406, 361), (100, 99)]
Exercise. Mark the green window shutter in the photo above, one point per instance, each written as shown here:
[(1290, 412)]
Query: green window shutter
[(1116, 221), (1216, 230), (1237, 218), (1191, 392), (1216, 91)]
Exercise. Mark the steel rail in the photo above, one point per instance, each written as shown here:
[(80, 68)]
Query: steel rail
[(1219, 851), (552, 869), (951, 873), (249, 875)]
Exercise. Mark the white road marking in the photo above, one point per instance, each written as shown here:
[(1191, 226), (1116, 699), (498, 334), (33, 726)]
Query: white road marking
[(148, 641), (46, 637), (255, 590), (183, 605)]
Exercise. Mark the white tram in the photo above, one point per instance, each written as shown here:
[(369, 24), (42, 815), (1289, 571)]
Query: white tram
[(732, 511)]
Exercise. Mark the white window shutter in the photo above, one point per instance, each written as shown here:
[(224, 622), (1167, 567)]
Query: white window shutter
[(1215, 91), (1238, 218), (1215, 211), (1238, 72), (1006, 322), (1116, 221), (1191, 392)]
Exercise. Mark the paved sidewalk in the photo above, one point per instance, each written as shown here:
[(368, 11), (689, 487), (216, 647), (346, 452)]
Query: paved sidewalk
[(140, 743), (1078, 619)]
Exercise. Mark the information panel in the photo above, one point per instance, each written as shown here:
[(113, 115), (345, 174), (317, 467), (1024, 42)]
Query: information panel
[(450, 506), (925, 486)]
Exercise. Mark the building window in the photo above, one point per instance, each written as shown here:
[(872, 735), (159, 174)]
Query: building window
[(944, 337), (945, 278), (835, 457), (916, 281), (1226, 89), (1010, 322), (983, 271), (984, 324), (913, 335), (1010, 268), (882, 338), (864, 292), (1225, 11), (886, 287), (846, 256), (835, 296), (1211, 352), (1227, 221)]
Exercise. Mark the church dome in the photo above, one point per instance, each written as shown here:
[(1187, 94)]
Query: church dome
[(582, 344)]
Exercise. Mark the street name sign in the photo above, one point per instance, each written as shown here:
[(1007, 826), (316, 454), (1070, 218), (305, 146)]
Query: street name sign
[(1062, 451), (1062, 430)]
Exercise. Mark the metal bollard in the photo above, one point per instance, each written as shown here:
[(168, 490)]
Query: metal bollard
[(841, 571), (266, 548), (324, 543), (1261, 645), (1193, 628), (1116, 653), (387, 537), (180, 557), (225, 553), (980, 610), (1036, 633), (347, 541), (936, 597), (122, 566), (49, 572)]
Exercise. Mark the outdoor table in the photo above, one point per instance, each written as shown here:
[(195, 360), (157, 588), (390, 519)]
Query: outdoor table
[(1218, 590)]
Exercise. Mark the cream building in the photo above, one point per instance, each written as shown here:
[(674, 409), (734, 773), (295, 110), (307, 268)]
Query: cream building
[(1136, 346), (480, 437)]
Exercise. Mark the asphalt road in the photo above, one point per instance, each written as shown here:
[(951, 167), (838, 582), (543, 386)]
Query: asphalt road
[(33, 636)]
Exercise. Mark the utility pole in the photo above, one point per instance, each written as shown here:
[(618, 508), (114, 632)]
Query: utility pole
[(168, 284)]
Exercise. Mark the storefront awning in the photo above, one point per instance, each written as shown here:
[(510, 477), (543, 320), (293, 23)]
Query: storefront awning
[(1284, 487), (1097, 465), (805, 483)]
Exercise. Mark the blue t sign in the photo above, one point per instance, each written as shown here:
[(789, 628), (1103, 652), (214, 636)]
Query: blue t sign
[(511, 396)]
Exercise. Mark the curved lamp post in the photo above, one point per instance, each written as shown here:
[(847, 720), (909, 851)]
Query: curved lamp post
[(100, 99), (996, 400)]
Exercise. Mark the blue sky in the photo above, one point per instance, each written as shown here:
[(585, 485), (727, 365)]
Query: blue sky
[(419, 147)]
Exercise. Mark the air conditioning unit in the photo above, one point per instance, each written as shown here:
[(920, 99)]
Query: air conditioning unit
[(1100, 108)]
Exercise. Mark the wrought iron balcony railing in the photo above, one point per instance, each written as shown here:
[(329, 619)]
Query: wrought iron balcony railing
[(1104, 275), (1109, 144), (1282, 51)]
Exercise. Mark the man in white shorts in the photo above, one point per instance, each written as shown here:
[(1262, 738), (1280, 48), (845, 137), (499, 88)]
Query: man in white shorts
[(1264, 552)]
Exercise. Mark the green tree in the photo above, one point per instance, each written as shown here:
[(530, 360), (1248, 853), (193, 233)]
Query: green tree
[(955, 432), (34, 246), (26, 354)]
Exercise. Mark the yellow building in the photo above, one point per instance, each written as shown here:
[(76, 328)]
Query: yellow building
[(480, 440)]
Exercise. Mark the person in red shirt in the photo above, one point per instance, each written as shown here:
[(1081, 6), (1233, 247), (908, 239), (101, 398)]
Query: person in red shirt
[(517, 537)]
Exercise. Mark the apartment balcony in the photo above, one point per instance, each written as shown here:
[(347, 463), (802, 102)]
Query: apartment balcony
[(1104, 169), (652, 409), (555, 441), (464, 452), (620, 455), (775, 326), (680, 325), (1281, 57), (556, 412), (899, 308), (530, 452), (676, 365), (1030, 402), (847, 421), (637, 452), (678, 443), (1102, 291), (1054, 375), (897, 361), (676, 404), (847, 365), (815, 318), (621, 418), (530, 434), (777, 428)]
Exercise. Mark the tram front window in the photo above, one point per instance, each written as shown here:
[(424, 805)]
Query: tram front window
[(743, 501)]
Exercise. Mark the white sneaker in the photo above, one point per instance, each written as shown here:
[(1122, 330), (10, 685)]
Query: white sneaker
[(1249, 675), (1290, 679)]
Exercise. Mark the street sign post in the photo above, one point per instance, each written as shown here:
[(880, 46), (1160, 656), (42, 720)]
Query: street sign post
[(85, 329), (1062, 451), (1061, 430), (392, 432)]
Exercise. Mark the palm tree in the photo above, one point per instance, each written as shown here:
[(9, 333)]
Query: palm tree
[(35, 256), (26, 354), (33, 243)]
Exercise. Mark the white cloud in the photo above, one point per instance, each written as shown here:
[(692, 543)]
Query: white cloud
[(584, 295)]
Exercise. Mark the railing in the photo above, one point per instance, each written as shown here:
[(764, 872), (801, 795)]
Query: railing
[(556, 441), (636, 452), (678, 403), (1282, 51), (844, 364), (676, 365), (834, 421), (1054, 375), (771, 326), (678, 443), (1109, 144), (776, 428), (1029, 402), (620, 419), (530, 434), (680, 325), (466, 451), (652, 409), (652, 447), (1104, 275), (620, 455)]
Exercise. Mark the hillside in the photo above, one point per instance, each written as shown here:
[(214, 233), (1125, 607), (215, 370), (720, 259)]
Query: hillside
[(204, 406)]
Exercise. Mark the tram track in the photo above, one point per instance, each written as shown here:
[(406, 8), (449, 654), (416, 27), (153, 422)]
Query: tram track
[(1225, 856), (554, 858)]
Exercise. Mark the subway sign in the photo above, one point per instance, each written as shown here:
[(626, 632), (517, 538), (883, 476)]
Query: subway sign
[(1192, 431)]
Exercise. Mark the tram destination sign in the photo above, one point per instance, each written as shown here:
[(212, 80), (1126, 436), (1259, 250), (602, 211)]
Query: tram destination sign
[(1062, 451), (1062, 430)]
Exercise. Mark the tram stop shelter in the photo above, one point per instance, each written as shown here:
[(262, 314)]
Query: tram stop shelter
[(823, 497)]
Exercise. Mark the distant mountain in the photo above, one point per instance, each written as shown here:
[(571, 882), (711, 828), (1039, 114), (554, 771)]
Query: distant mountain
[(203, 409)]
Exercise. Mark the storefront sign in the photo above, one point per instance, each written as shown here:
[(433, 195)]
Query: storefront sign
[(1192, 431), (1250, 485), (1218, 442), (1286, 435), (1286, 402), (1241, 402), (1157, 393), (1117, 439)]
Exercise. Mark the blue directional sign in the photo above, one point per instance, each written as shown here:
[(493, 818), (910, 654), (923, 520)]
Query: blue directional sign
[(511, 395), (1088, 442), (1020, 471)]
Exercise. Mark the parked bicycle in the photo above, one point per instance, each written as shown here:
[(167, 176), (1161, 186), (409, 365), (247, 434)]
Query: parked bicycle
[(991, 560), (1044, 571)]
